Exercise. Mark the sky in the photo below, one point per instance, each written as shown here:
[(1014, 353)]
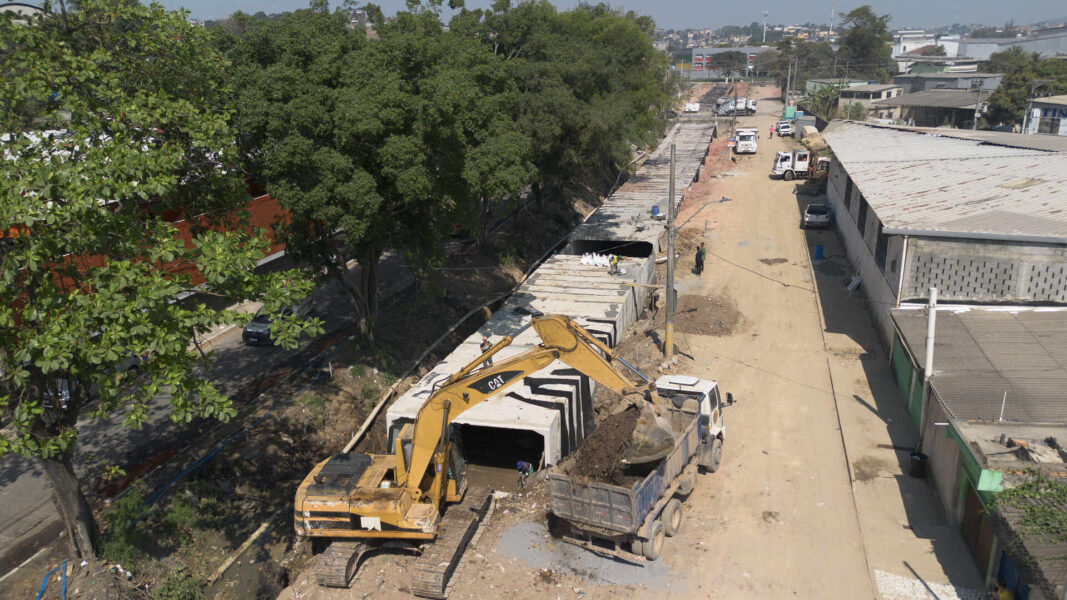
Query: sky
[(681, 14)]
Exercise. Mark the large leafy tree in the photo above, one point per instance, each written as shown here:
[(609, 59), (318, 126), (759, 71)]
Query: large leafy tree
[(375, 145), (116, 121), (1026, 76), (865, 43)]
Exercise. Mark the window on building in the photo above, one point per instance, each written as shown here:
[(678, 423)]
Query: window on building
[(861, 220), (881, 247), (848, 193), (1049, 125)]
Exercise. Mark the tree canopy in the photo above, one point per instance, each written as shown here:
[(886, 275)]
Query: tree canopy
[(865, 43), (1026, 76), (392, 143), (117, 123)]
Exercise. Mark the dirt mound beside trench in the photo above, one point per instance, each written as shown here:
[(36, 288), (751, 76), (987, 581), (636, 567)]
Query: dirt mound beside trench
[(705, 315)]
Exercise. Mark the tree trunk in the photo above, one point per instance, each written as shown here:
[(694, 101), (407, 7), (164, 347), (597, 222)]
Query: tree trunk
[(368, 285), (82, 532)]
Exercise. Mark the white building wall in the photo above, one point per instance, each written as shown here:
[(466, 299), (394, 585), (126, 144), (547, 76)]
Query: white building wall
[(881, 296), (945, 466)]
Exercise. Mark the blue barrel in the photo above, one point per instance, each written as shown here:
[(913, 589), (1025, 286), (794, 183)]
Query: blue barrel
[(655, 210), (818, 252)]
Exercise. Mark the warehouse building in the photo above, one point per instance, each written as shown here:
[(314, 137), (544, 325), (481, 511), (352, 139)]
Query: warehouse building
[(984, 222), (994, 418)]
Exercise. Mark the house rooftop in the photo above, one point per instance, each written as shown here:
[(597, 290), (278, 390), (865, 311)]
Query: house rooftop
[(1059, 100), (949, 75), (924, 184), (872, 87), (991, 360), (934, 99)]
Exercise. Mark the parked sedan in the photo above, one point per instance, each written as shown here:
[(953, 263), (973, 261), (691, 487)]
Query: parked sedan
[(258, 329), (816, 215)]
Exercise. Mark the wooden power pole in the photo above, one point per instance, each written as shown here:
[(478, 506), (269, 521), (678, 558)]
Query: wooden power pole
[(668, 334)]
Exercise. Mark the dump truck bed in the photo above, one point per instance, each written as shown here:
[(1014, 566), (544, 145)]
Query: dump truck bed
[(614, 509)]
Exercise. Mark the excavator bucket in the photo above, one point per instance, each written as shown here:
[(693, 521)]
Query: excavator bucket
[(652, 439)]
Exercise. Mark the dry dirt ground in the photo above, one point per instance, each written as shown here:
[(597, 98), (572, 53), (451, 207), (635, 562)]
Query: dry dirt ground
[(811, 500)]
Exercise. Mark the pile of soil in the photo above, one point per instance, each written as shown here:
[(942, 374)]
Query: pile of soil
[(598, 458), (705, 315)]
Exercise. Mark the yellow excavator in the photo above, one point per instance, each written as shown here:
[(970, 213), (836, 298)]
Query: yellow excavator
[(358, 501)]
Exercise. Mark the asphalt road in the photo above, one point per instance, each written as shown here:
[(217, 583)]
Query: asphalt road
[(28, 518)]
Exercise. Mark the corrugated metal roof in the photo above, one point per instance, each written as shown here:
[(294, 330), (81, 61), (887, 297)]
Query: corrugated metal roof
[(933, 99), (950, 75), (979, 355), (917, 182), (1052, 143)]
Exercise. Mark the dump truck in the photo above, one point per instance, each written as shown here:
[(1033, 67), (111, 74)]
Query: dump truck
[(746, 140), (631, 522)]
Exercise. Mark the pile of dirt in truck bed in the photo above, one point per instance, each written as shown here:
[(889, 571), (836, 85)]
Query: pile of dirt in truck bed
[(598, 458)]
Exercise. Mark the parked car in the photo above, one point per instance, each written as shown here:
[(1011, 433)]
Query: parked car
[(257, 332), (816, 215), (783, 128)]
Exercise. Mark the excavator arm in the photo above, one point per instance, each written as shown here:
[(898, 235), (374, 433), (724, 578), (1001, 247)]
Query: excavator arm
[(561, 339)]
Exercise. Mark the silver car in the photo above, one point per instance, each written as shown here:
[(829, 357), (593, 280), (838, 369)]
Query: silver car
[(816, 215), (257, 332)]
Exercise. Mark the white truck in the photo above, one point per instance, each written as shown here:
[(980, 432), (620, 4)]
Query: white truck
[(801, 164), (746, 140)]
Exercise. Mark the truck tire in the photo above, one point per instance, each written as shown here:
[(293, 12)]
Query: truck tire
[(716, 455), (672, 517), (789, 176), (651, 547)]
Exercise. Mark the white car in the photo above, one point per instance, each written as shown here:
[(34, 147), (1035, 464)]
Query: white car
[(257, 332), (784, 128), (816, 215)]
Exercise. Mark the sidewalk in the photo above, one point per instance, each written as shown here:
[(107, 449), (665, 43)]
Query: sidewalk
[(912, 550)]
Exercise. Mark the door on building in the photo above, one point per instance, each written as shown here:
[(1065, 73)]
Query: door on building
[(976, 529)]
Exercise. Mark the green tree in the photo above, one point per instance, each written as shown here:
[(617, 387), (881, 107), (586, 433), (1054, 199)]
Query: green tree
[(1008, 61), (1029, 77), (857, 111), (865, 43), (117, 120), (823, 101)]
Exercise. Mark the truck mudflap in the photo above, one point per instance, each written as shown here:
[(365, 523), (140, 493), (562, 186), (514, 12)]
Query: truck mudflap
[(607, 552)]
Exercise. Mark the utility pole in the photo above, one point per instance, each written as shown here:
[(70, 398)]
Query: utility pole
[(979, 83), (928, 367), (668, 320), (788, 74), (765, 13), (832, 13)]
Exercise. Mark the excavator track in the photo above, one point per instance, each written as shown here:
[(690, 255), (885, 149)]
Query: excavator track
[(336, 566), (434, 570)]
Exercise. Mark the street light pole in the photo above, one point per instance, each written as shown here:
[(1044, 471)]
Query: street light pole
[(668, 320), (765, 13)]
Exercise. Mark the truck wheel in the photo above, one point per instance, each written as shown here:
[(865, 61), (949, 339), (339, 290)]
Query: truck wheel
[(789, 176), (716, 455), (672, 517), (653, 546)]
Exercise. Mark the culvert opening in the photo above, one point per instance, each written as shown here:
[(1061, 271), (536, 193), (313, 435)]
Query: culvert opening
[(493, 452), (622, 248)]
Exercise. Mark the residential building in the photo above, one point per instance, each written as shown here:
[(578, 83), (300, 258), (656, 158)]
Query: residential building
[(1047, 43), (918, 82), (907, 40), (1046, 115), (911, 64), (865, 95), (933, 108)]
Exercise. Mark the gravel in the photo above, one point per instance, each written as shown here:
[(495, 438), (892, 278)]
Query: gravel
[(899, 587), (530, 543)]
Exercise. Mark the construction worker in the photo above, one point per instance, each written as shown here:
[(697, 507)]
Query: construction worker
[(485, 347), (614, 262), (525, 470), (700, 259)]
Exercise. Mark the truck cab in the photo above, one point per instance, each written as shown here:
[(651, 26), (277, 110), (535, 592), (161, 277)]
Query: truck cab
[(690, 394), (746, 140)]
